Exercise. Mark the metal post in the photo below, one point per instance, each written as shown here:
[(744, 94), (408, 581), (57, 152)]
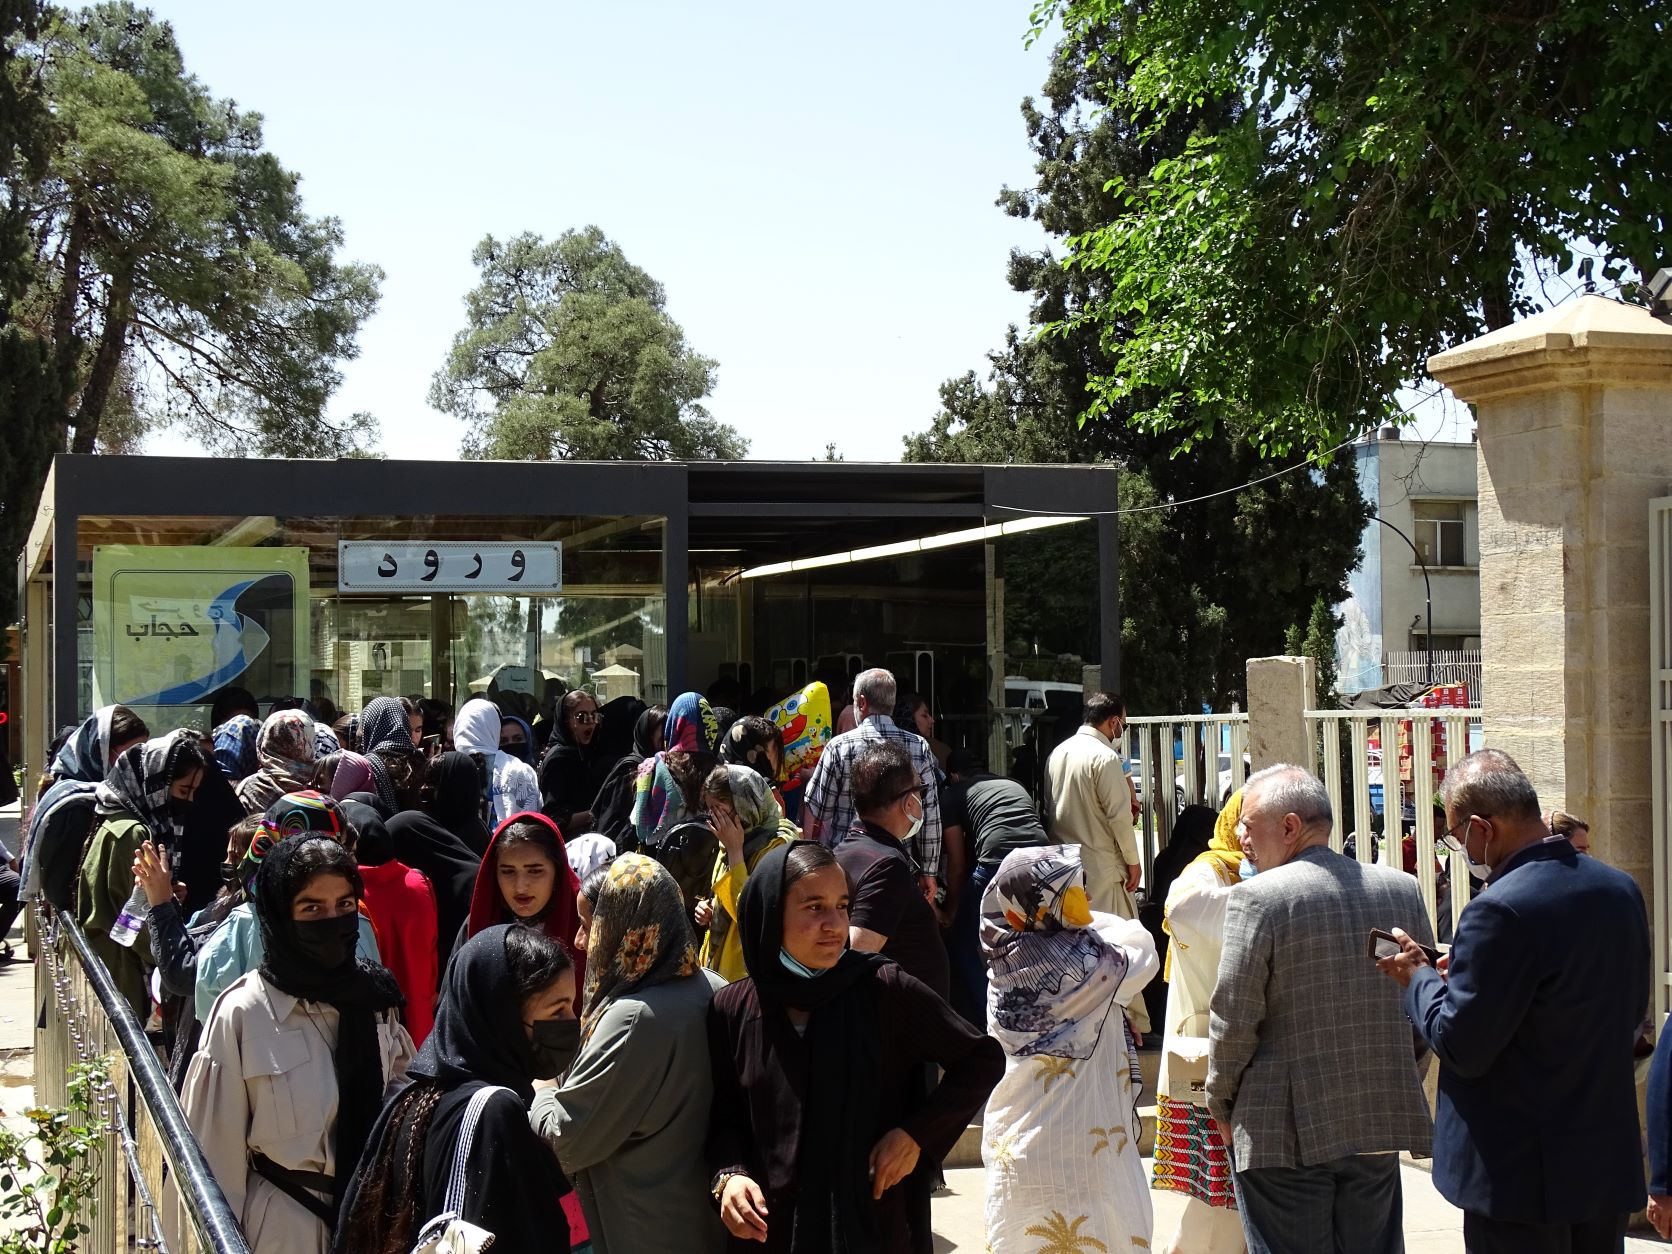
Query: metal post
[(1108, 599), (1427, 591)]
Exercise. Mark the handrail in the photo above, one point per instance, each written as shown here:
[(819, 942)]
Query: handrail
[(205, 1202)]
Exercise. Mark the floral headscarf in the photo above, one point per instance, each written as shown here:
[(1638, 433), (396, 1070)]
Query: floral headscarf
[(286, 745), (235, 747), (639, 936), (1052, 977), (690, 728)]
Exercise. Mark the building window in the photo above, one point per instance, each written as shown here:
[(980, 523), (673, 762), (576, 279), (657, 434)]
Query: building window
[(1439, 532)]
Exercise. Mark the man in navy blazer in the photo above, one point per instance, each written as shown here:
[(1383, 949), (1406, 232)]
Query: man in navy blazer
[(1533, 1021)]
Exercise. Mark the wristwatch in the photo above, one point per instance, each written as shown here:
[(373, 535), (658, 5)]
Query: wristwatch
[(721, 1180)]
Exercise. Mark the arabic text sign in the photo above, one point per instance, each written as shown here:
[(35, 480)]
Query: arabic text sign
[(449, 566), (171, 624)]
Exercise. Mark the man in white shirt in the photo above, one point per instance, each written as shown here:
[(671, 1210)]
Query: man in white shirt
[(1089, 803)]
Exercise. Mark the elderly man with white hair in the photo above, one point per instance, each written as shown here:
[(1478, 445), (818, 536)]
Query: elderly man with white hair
[(1312, 1073), (829, 801)]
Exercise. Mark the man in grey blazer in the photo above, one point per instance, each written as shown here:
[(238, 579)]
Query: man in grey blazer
[(1312, 1071)]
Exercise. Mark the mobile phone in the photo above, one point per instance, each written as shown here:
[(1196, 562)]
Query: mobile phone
[(1386, 944)]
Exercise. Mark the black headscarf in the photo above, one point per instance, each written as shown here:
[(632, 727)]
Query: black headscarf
[(478, 1033), (618, 729), (373, 845), (612, 808), (455, 799), (569, 774), (833, 1210), (359, 990)]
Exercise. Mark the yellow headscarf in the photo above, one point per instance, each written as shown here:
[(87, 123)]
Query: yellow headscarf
[(1224, 856)]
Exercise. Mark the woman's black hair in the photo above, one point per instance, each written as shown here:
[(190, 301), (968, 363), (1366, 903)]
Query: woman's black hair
[(320, 855), (803, 860), (325, 770), (188, 757), (125, 726), (571, 702), (905, 710), (592, 887), (435, 714), (535, 960)]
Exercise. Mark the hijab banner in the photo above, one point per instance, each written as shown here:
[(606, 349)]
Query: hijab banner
[(171, 624)]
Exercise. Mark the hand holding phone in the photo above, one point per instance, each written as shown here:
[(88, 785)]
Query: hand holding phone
[(1386, 945)]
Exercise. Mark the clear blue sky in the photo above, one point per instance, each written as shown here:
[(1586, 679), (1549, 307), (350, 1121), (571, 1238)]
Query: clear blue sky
[(813, 185)]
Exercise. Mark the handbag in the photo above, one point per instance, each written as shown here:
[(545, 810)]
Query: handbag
[(448, 1233), (1187, 1069)]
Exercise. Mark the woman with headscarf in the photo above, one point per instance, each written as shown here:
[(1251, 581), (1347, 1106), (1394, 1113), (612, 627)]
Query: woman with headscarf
[(756, 743), (1190, 1157), (612, 808), (506, 1018), (144, 798), (627, 1121), (526, 878), (401, 905), (298, 1056), (63, 817), (234, 948), (285, 753), (823, 1135), (748, 825), (569, 773), (1060, 1137), (385, 739), (512, 786), (445, 839), (668, 817), (343, 773)]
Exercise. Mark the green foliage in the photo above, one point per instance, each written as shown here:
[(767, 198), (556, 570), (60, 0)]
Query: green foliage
[(1316, 640), (1204, 585), (568, 352), (1385, 181), (49, 1175)]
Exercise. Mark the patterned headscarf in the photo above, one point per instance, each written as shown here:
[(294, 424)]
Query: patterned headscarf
[(139, 781), (1052, 977), (639, 936), (691, 725), (86, 754), (304, 812), (354, 774), (235, 747), (748, 742), (286, 745), (384, 727)]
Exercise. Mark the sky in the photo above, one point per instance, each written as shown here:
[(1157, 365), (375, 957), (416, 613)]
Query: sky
[(812, 185)]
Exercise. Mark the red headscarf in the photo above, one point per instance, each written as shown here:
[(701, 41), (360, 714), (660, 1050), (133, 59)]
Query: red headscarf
[(562, 918)]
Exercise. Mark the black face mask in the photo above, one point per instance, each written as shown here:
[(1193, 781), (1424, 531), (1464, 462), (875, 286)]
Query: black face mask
[(517, 749), (229, 873), (555, 1044), (328, 942), (179, 808)]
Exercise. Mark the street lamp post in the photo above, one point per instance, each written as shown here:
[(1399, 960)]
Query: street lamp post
[(1427, 593)]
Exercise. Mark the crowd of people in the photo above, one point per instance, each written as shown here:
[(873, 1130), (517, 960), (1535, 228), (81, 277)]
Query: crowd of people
[(614, 980)]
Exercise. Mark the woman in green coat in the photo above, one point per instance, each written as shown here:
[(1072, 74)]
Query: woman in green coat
[(145, 796)]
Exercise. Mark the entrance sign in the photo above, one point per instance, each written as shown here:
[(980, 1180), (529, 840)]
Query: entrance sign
[(449, 566), (171, 624)]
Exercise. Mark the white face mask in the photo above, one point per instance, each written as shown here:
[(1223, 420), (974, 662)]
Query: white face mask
[(1477, 870), (916, 827)]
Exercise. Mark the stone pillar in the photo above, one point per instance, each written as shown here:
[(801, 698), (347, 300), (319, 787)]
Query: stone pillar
[(1574, 410), (1280, 691)]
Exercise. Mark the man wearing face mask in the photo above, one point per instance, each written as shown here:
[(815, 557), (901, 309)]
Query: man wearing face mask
[(1534, 1032), (888, 914)]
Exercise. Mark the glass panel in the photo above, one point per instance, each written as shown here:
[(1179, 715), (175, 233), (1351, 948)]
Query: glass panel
[(173, 608)]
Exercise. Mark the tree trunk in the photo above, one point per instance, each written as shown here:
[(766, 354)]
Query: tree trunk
[(66, 345), (112, 343)]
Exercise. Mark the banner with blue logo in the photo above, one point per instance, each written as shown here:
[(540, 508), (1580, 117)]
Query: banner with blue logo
[(171, 624)]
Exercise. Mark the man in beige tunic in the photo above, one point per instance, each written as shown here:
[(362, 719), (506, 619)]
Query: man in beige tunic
[(1089, 803)]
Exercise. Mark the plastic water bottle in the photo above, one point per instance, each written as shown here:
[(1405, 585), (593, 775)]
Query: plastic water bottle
[(125, 931)]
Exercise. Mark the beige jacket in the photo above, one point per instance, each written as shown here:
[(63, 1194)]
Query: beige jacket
[(263, 1080), (1090, 802)]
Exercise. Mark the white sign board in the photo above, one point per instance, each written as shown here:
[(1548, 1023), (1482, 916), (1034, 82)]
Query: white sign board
[(449, 566)]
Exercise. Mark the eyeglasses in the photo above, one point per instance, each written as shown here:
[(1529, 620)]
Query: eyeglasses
[(586, 717), (1449, 837), (922, 791)]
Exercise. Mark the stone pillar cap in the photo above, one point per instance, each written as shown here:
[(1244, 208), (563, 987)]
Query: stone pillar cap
[(1592, 340)]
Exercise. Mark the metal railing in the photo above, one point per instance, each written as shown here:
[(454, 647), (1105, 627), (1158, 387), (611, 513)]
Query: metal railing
[(1176, 760), (1365, 795), (156, 1191)]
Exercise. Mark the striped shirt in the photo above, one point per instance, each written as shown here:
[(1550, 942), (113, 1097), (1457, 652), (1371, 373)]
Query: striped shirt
[(830, 791)]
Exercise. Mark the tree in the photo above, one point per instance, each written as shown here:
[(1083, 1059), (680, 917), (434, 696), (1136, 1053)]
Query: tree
[(1316, 640), (178, 278), (1392, 179), (1205, 584), (569, 352)]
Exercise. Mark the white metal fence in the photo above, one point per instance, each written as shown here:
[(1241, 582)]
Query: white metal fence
[(1179, 760), (1371, 790)]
